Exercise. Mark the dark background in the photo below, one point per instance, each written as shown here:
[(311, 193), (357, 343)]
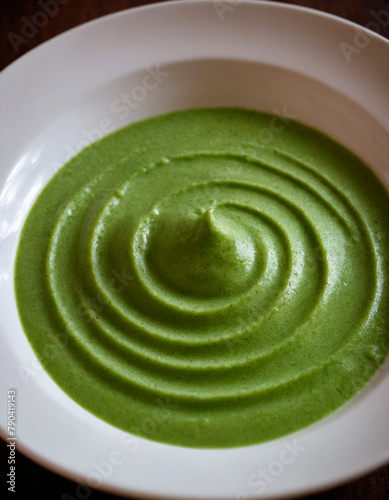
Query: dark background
[(32, 481)]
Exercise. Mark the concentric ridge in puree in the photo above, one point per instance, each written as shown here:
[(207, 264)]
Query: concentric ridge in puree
[(189, 283)]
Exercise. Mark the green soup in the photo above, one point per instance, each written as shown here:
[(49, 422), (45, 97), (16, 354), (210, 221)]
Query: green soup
[(208, 278)]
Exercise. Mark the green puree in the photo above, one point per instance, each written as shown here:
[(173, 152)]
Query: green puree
[(203, 279)]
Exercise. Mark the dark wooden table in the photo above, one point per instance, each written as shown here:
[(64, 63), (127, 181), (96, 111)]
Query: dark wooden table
[(34, 482)]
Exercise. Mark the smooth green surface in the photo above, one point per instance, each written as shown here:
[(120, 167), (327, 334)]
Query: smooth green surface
[(208, 278)]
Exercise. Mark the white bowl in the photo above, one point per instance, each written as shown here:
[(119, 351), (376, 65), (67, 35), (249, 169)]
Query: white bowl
[(316, 68)]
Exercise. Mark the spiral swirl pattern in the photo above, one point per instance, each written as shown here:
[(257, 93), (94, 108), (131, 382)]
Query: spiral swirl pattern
[(189, 283)]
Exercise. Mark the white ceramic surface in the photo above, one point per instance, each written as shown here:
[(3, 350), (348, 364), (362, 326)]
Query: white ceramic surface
[(299, 63)]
